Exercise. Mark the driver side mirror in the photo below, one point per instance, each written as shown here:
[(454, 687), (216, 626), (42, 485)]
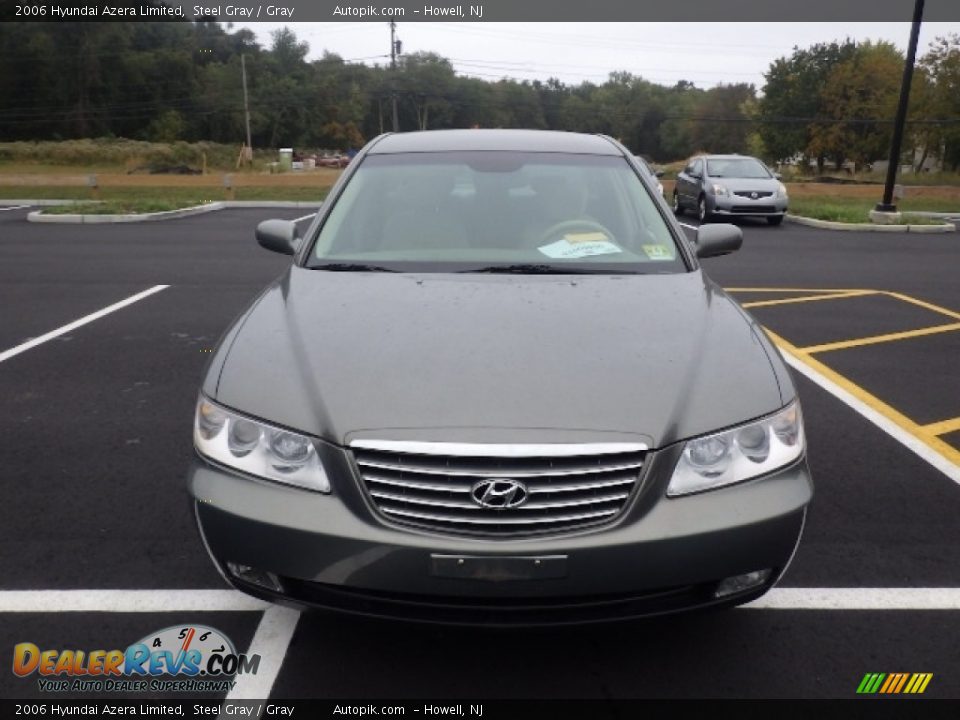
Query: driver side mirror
[(278, 236), (716, 240)]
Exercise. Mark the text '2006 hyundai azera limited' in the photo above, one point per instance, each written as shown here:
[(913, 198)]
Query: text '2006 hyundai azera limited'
[(495, 386)]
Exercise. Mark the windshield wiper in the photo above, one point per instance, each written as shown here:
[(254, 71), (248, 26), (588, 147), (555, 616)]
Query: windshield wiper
[(528, 269), (351, 267)]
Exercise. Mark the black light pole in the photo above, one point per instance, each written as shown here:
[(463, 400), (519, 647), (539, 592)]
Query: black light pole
[(887, 204)]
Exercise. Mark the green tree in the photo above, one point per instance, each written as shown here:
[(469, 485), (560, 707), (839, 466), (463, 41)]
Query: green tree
[(676, 132), (791, 97), (858, 103), (940, 99), (425, 81), (720, 123)]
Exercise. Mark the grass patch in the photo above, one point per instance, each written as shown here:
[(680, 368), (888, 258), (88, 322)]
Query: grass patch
[(116, 207), (857, 210), (45, 192), (847, 210), (124, 200), (300, 194)]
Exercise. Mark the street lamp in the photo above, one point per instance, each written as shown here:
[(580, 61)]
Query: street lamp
[(881, 211)]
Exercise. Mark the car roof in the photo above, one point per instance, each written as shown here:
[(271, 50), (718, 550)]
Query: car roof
[(730, 157), (508, 140)]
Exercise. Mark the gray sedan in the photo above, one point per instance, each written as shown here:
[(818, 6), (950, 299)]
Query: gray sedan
[(496, 386), (730, 185)]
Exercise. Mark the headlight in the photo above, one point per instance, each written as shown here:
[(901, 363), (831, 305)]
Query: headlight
[(720, 190), (739, 454), (256, 448), (782, 190)]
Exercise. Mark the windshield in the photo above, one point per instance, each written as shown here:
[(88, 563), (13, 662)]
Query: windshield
[(737, 168), (495, 211)]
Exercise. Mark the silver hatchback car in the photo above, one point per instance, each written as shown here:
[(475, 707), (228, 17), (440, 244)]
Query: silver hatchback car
[(496, 386), (730, 186)]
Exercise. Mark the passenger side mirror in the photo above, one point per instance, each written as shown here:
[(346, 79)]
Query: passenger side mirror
[(659, 173), (778, 176), (716, 240), (278, 236)]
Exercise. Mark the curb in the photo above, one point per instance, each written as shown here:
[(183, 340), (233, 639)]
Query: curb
[(931, 214), (39, 216), (870, 227), (41, 203)]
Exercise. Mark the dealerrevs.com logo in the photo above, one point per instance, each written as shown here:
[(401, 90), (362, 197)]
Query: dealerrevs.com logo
[(181, 658)]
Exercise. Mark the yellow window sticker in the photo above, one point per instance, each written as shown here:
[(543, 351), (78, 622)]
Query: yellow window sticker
[(658, 252), (585, 237)]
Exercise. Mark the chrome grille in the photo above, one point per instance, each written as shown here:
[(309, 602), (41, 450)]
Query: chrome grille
[(431, 485), (750, 193)]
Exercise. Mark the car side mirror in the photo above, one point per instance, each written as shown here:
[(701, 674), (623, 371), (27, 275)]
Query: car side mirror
[(716, 240), (659, 173), (778, 176), (278, 236)]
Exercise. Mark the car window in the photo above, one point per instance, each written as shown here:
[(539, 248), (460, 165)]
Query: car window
[(449, 211), (737, 168), (698, 167)]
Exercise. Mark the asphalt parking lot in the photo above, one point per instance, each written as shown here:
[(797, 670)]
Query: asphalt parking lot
[(99, 546)]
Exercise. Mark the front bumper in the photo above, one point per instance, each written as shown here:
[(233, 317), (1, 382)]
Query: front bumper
[(738, 206), (661, 555)]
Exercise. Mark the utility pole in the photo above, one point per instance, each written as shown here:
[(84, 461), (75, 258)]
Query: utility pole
[(887, 205), (246, 106), (394, 45)]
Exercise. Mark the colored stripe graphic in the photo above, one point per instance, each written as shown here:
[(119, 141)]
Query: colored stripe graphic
[(894, 683)]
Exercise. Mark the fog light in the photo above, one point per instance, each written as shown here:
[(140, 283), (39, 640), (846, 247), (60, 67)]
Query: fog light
[(254, 576), (739, 583)]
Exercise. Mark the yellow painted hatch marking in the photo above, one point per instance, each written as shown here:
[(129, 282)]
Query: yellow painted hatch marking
[(875, 339)]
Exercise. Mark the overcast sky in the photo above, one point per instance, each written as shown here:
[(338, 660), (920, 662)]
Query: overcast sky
[(706, 54)]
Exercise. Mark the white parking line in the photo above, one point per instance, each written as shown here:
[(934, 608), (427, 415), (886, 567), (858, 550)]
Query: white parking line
[(126, 601), (859, 599), (7, 354), (911, 442), (15, 207), (301, 219), (270, 642)]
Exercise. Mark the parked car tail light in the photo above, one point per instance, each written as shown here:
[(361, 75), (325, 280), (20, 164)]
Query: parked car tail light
[(741, 453)]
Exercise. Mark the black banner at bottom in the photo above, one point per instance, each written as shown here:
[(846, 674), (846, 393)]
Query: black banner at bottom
[(882, 709)]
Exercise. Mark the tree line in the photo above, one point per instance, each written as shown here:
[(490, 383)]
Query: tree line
[(829, 103)]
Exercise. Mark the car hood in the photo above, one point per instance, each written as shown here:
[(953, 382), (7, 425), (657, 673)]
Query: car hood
[(497, 358)]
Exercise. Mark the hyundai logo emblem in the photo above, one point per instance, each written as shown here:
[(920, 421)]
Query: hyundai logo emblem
[(499, 493)]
